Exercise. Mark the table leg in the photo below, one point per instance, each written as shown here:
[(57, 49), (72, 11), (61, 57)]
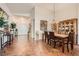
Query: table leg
[(62, 45)]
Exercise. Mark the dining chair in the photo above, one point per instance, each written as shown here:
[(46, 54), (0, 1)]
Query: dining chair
[(42, 36), (69, 41), (46, 35), (52, 39)]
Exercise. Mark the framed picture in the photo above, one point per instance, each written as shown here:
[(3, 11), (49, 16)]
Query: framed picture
[(43, 25)]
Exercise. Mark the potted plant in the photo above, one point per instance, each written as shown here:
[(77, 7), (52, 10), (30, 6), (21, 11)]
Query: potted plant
[(13, 25), (2, 23)]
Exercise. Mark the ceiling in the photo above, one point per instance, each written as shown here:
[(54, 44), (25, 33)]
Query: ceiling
[(23, 8), (26, 8)]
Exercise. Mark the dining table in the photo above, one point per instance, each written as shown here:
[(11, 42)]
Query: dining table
[(61, 37)]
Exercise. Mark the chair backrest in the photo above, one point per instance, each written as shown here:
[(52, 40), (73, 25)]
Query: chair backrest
[(46, 33), (71, 37), (51, 35)]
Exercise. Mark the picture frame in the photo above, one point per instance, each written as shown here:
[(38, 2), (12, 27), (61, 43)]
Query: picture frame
[(43, 25)]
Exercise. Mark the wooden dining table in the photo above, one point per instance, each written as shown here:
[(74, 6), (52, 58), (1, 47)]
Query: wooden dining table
[(61, 37)]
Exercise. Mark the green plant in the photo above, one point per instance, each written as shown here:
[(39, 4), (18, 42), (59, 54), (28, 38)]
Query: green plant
[(2, 22), (13, 25)]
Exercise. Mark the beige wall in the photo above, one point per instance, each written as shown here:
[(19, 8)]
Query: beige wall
[(42, 13), (78, 22), (65, 11)]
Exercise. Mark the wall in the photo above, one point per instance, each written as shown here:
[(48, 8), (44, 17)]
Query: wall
[(42, 13), (78, 21), (65, 11)]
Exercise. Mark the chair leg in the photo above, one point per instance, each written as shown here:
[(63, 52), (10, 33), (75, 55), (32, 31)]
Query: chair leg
[(67, 48), (45, 38), (71, 46), (49, 42), (54, 44)]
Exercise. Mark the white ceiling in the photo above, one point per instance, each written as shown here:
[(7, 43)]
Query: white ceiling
[(23, 8)]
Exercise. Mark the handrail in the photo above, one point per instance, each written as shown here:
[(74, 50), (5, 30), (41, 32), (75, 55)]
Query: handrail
[(5, 43)]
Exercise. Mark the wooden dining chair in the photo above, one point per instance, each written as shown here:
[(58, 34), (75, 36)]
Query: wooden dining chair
[(69, 41), (52, 39), (46, 35), (42, 36)]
